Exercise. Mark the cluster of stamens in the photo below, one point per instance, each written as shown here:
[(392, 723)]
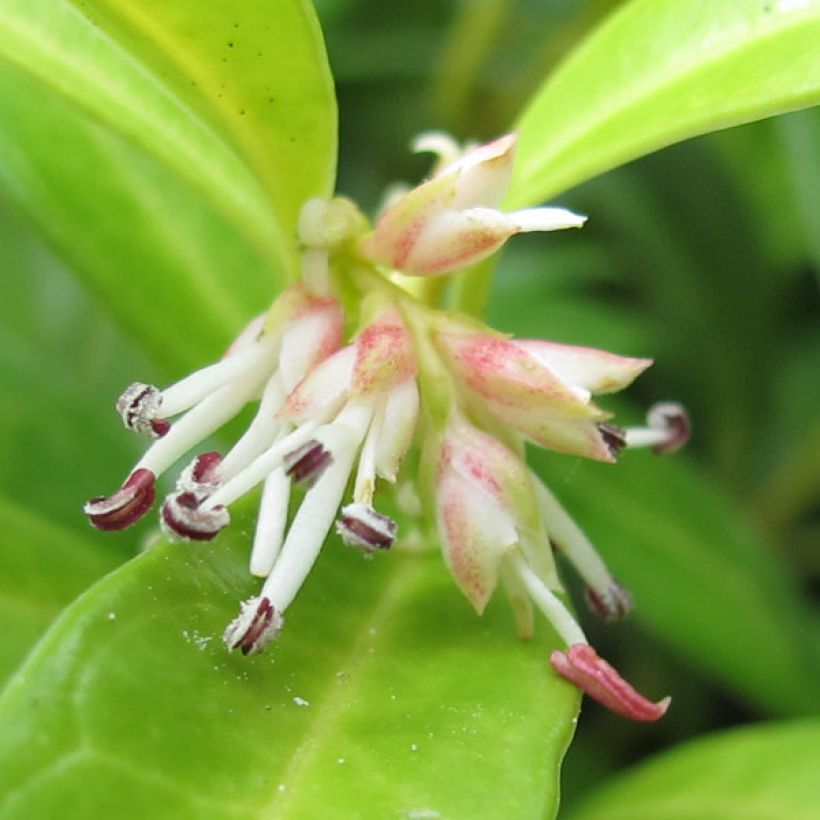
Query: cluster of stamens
[(331, 409)]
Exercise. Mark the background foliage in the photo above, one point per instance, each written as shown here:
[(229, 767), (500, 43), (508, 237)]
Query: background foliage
[(705, 256)]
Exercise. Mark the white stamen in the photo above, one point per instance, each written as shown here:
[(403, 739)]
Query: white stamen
[(569, 538), (270, 528), (365, 484), (192, 389), (262, 466), (261, 433), (209, 415), (311, 523), (439, 143), (645, 436), (557, 614)]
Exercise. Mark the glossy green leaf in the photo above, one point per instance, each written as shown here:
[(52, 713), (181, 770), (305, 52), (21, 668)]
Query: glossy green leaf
[(764, 772), (383, 689), (63, 364), (42, 568), (171, 270), (702, 581), (223, 117), (659, 71)]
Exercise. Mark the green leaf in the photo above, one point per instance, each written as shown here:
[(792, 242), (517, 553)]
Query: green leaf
[(764, 772), (660, 71), (702, 581), (224, 96), (382, 689), (171, 270), (63, 364), (42, 568), (161, 195)]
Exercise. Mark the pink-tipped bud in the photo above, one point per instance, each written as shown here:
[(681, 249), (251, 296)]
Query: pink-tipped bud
[(582, 666), (361, 526), (126, 506), (611, 604), (673, 419), (184, 516), (306, 464), (257, 624), (139, 407)]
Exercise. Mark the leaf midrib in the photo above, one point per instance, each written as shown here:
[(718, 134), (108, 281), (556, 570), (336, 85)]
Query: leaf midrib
[(329, 710)]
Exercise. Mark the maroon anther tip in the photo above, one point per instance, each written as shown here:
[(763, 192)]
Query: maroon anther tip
[(611, 604), (613, 437), (674, 419), (361, 526), (582, 666), (257, 624), (126, 506), (184, 517), (306, 464), (160, 427)]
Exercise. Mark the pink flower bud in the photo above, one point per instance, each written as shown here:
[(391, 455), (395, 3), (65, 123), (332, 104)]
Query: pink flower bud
[(451, 221)]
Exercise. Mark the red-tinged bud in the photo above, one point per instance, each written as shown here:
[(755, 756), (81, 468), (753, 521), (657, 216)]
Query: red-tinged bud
[(385, 356), (582, 666), (139, 407), (611, 604), (257, 624), (361, 526), (185, 516), (126, 506), (306, 464)]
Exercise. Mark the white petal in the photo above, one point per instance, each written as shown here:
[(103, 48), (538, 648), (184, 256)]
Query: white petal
[(323, 389), (594, 370), (399, 417), (544, 219), (483, 174)]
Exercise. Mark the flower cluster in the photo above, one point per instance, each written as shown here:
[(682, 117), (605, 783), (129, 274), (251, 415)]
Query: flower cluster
[(332, 410)]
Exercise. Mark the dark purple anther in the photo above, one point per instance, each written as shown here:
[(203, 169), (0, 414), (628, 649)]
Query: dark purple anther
[(306, 464), (257, 624), (673, 419), (613, 437), (185, 516), (126, 506), (139, 408), (361, 526), (610, 604)]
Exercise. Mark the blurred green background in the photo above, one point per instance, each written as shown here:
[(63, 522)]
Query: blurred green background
[(705, 256)]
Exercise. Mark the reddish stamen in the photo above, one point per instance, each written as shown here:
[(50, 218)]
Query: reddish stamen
[(581, 665)]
